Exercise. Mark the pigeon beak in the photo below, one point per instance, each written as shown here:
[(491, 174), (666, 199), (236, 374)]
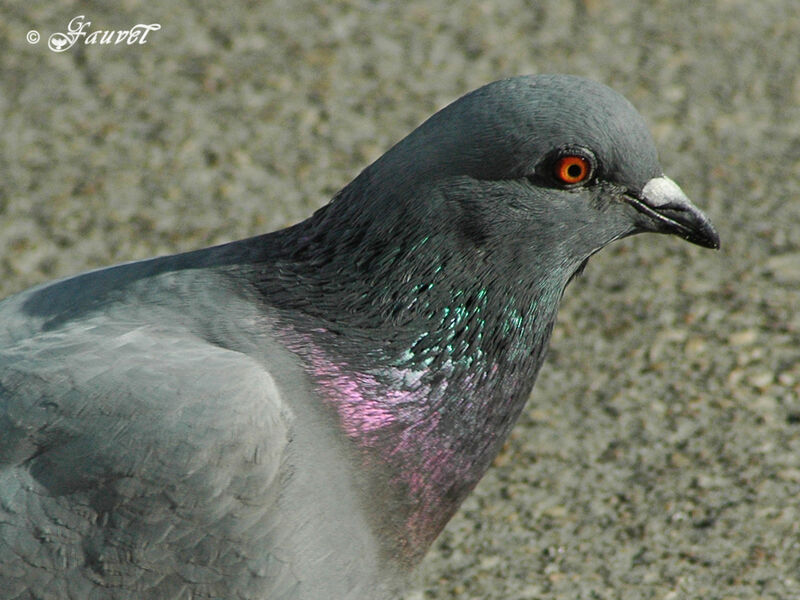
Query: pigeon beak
[(670, 211)]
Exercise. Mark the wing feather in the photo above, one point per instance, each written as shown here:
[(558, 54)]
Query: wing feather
[(141, 458)]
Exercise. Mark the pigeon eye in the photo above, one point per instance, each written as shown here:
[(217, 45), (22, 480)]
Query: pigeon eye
[(572, 169)]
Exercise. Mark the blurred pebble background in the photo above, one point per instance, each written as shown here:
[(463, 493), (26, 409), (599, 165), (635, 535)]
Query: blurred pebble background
[(659, 456)]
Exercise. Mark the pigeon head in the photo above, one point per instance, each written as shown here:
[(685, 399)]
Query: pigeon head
[(422, 298), (529, 161)]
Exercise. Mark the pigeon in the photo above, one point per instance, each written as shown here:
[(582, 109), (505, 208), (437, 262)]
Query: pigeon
[(297, 415)]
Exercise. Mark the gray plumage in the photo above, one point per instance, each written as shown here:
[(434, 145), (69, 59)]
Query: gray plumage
[(296, 415)]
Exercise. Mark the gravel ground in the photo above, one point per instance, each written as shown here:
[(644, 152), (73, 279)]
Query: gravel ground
[(659, 456)]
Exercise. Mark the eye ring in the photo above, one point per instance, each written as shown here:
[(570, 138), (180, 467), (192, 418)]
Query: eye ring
[(572, 169)]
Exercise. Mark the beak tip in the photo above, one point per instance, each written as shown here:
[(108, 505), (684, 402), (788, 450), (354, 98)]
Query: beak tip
[(675, 214), (707, 239)]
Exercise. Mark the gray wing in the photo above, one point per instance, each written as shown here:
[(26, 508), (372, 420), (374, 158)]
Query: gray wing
[(136, 461)]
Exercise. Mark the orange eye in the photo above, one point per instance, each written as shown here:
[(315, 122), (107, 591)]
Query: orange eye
[(572, 169)]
